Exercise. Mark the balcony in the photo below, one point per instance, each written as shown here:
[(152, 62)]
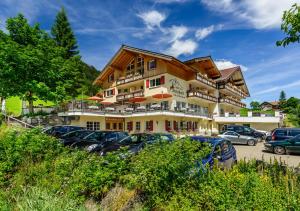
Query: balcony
[(129, 79), (232, 102), (202, 96), (205, 80), (235, 90), (126, 96)]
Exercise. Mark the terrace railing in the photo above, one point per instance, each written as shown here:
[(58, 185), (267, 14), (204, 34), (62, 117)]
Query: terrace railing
[(205, 80)]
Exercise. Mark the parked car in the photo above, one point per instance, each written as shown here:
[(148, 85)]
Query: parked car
[(286, 146), (283, 134), (236, 138), (246, 131), (74, 136), (60, 130), (102, 138), (134, 142), (222, 150)]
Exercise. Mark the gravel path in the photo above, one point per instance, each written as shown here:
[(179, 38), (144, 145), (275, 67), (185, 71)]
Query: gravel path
[(256, 152)]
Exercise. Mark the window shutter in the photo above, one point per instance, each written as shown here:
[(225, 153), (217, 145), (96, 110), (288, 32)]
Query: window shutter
[(167, 125), (151, 125), (162, 79), (147, 83), (104, 93), (148, 66), (113, 91), (175, 125), (190, 86)]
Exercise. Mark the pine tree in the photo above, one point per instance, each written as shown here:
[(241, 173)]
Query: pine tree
[(63, 34), (282, 100)]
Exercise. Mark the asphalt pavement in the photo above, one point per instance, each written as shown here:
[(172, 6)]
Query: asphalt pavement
[(257, 152)]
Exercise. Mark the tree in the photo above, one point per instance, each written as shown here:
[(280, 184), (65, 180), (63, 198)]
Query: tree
[(255, 105), (282, 100), (63, 34), (294, 116), (33, 66), (290, 104), (290, 26)]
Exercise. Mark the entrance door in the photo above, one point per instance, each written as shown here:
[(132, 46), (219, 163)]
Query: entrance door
[(114, 124)]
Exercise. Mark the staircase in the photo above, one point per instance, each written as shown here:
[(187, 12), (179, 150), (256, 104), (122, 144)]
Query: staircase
[(16, 122)]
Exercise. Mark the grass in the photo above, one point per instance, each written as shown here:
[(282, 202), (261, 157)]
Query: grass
[(14, 104)]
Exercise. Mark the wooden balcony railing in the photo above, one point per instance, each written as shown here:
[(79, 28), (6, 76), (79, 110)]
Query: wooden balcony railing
[(235, 90), (126, 96), (206, 80), (232, 102), (202, 95), (129, 79)]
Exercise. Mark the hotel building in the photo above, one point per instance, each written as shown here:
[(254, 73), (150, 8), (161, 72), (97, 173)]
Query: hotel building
[(148, 91)]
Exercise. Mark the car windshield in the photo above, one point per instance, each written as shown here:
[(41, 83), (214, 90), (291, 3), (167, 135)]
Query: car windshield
[(95, 135)]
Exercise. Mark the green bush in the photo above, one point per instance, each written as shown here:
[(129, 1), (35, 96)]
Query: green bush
[(36, 172)]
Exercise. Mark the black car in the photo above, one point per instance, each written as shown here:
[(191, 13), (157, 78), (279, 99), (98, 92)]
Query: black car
[(283, 134), (134, 142), (74, 136), (287, 146), (60, 130), (99, 138), (245, 131)]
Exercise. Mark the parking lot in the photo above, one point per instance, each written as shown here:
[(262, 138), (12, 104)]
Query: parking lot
[(256, 152)]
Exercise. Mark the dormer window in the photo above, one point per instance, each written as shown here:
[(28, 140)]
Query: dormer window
[(130, 68), (152, 64), (140, 65), (111, 78)]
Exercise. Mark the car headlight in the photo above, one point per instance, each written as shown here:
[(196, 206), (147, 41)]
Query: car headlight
[(268, 145), (91, 147)]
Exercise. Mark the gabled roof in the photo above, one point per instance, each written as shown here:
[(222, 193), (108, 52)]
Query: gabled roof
[(215, 74), (273, 103), (229, 72), (226, 73), (140, 51)]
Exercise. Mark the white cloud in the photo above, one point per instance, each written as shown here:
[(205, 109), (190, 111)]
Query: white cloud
[(204, 32), (258, 13), (277, 88), (185, 47), (175, 33), (224, 64), (152, 18)]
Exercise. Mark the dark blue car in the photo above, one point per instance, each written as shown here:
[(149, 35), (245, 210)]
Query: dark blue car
[(222, 150)]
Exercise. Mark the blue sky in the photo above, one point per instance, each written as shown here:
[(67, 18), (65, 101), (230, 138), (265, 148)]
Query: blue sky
[(233, 32)]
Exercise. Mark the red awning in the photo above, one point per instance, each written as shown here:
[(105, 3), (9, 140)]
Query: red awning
[(95, 98), (161, 96), (137, 99)]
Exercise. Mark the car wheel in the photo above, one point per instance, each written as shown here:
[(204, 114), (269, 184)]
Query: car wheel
[(279, 150), (251, 143)]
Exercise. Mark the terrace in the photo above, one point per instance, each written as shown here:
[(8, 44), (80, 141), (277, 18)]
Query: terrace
[(129, 110), (205, 80), (232, 101)]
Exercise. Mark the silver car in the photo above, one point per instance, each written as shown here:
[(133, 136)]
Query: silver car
[(236, 138)]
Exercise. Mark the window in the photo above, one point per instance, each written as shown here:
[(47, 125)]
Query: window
[(130, 68), (280, 132), (294, 132), (93, 125), (110, 92), (140, 65), (152, 64), (154, 82), (107, 126), (138, 126), (114, 125), (120, 126), (111, 78), (230, 133)]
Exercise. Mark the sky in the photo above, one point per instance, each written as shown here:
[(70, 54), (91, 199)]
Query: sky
[(233, 32)]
